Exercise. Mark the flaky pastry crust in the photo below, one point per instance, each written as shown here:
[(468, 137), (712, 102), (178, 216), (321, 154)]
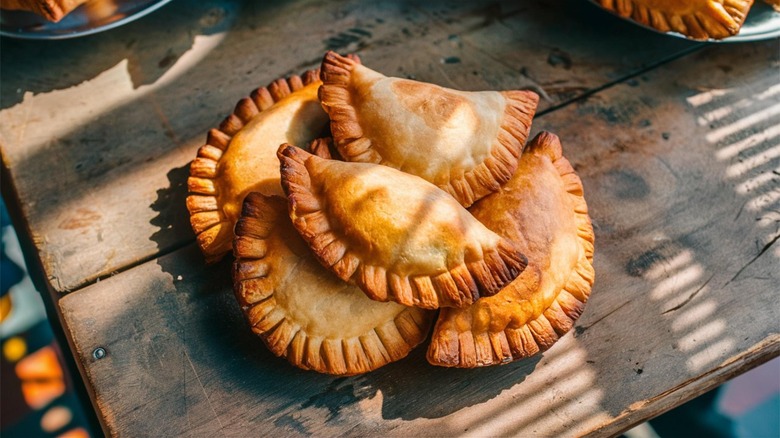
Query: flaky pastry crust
[(697, 19), (240, 156), (51, 10), (542, 210), (395, 235), (466, 143), (305, 314)]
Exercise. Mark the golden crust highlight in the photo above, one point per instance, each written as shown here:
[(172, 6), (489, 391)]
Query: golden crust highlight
[(476, 181), (266, 257), (528, 323), (457, 284)]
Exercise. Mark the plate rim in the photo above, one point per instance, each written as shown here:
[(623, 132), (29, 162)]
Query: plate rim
[(150, 7)]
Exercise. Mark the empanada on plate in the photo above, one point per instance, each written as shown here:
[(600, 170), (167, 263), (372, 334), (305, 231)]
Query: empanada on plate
[(697, 19), (51, 10), (397, 236), (466, 143), (240, 156), (303, 312), (542, 210)]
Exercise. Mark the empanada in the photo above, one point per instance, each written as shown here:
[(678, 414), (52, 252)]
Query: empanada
[(304, 313), (240, 156), (697, 19), (51, 10), (397, 236), (542, 210), (466, 143)]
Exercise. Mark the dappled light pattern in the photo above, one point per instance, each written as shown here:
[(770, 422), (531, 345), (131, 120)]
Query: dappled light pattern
[(745, 134), (562, 373), (677, 279)]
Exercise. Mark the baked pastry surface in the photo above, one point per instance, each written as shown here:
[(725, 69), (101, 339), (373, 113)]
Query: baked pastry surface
[(240, 156), (304, 313), (397, 236), (52, 10), (542, 210), (466, 143), (697, 19)]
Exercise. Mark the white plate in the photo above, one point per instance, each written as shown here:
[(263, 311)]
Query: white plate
[(94, 17)]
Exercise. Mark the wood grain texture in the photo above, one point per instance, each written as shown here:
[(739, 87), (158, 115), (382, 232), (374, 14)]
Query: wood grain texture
[(680, 173), (113, 120)]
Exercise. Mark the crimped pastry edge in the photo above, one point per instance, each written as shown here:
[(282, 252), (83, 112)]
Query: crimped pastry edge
[(458, 287), (213, 230), (474, 184), (470, 350), (717, 21), (388, 342)]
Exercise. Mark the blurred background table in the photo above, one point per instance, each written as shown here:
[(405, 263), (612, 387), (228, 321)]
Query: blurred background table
[(677, 144)]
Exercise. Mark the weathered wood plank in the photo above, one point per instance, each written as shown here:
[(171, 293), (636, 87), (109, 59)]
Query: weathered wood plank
[(113, 120), (680, 171)]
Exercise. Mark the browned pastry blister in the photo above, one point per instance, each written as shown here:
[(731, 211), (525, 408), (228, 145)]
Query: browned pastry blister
[(305, 314), (240, 156), (395, 235), (466, 143), (697, 19), (542, 211)]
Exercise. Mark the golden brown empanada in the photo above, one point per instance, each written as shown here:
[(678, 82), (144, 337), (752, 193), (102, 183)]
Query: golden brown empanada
[(543, 211), (395, 235), (467, 143), (304, 313), (52, 10), (697, 19), (240, 156)]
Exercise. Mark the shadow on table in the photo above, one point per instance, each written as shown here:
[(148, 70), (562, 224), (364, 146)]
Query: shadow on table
[(222, 343), (83, 58), (172, 220), (405, 387), (664, 295), (209, 337), (668, 283)]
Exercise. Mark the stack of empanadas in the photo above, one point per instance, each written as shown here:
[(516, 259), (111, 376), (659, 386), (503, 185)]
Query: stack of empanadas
[(434, 203)]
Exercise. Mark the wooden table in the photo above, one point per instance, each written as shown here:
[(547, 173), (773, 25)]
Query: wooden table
[(677, 144)]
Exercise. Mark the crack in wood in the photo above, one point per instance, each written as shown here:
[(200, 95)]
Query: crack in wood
[(760, 253), (739, 213), (669, 168), (623, 79), (690, 297), (205, 394), (580, 330)]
